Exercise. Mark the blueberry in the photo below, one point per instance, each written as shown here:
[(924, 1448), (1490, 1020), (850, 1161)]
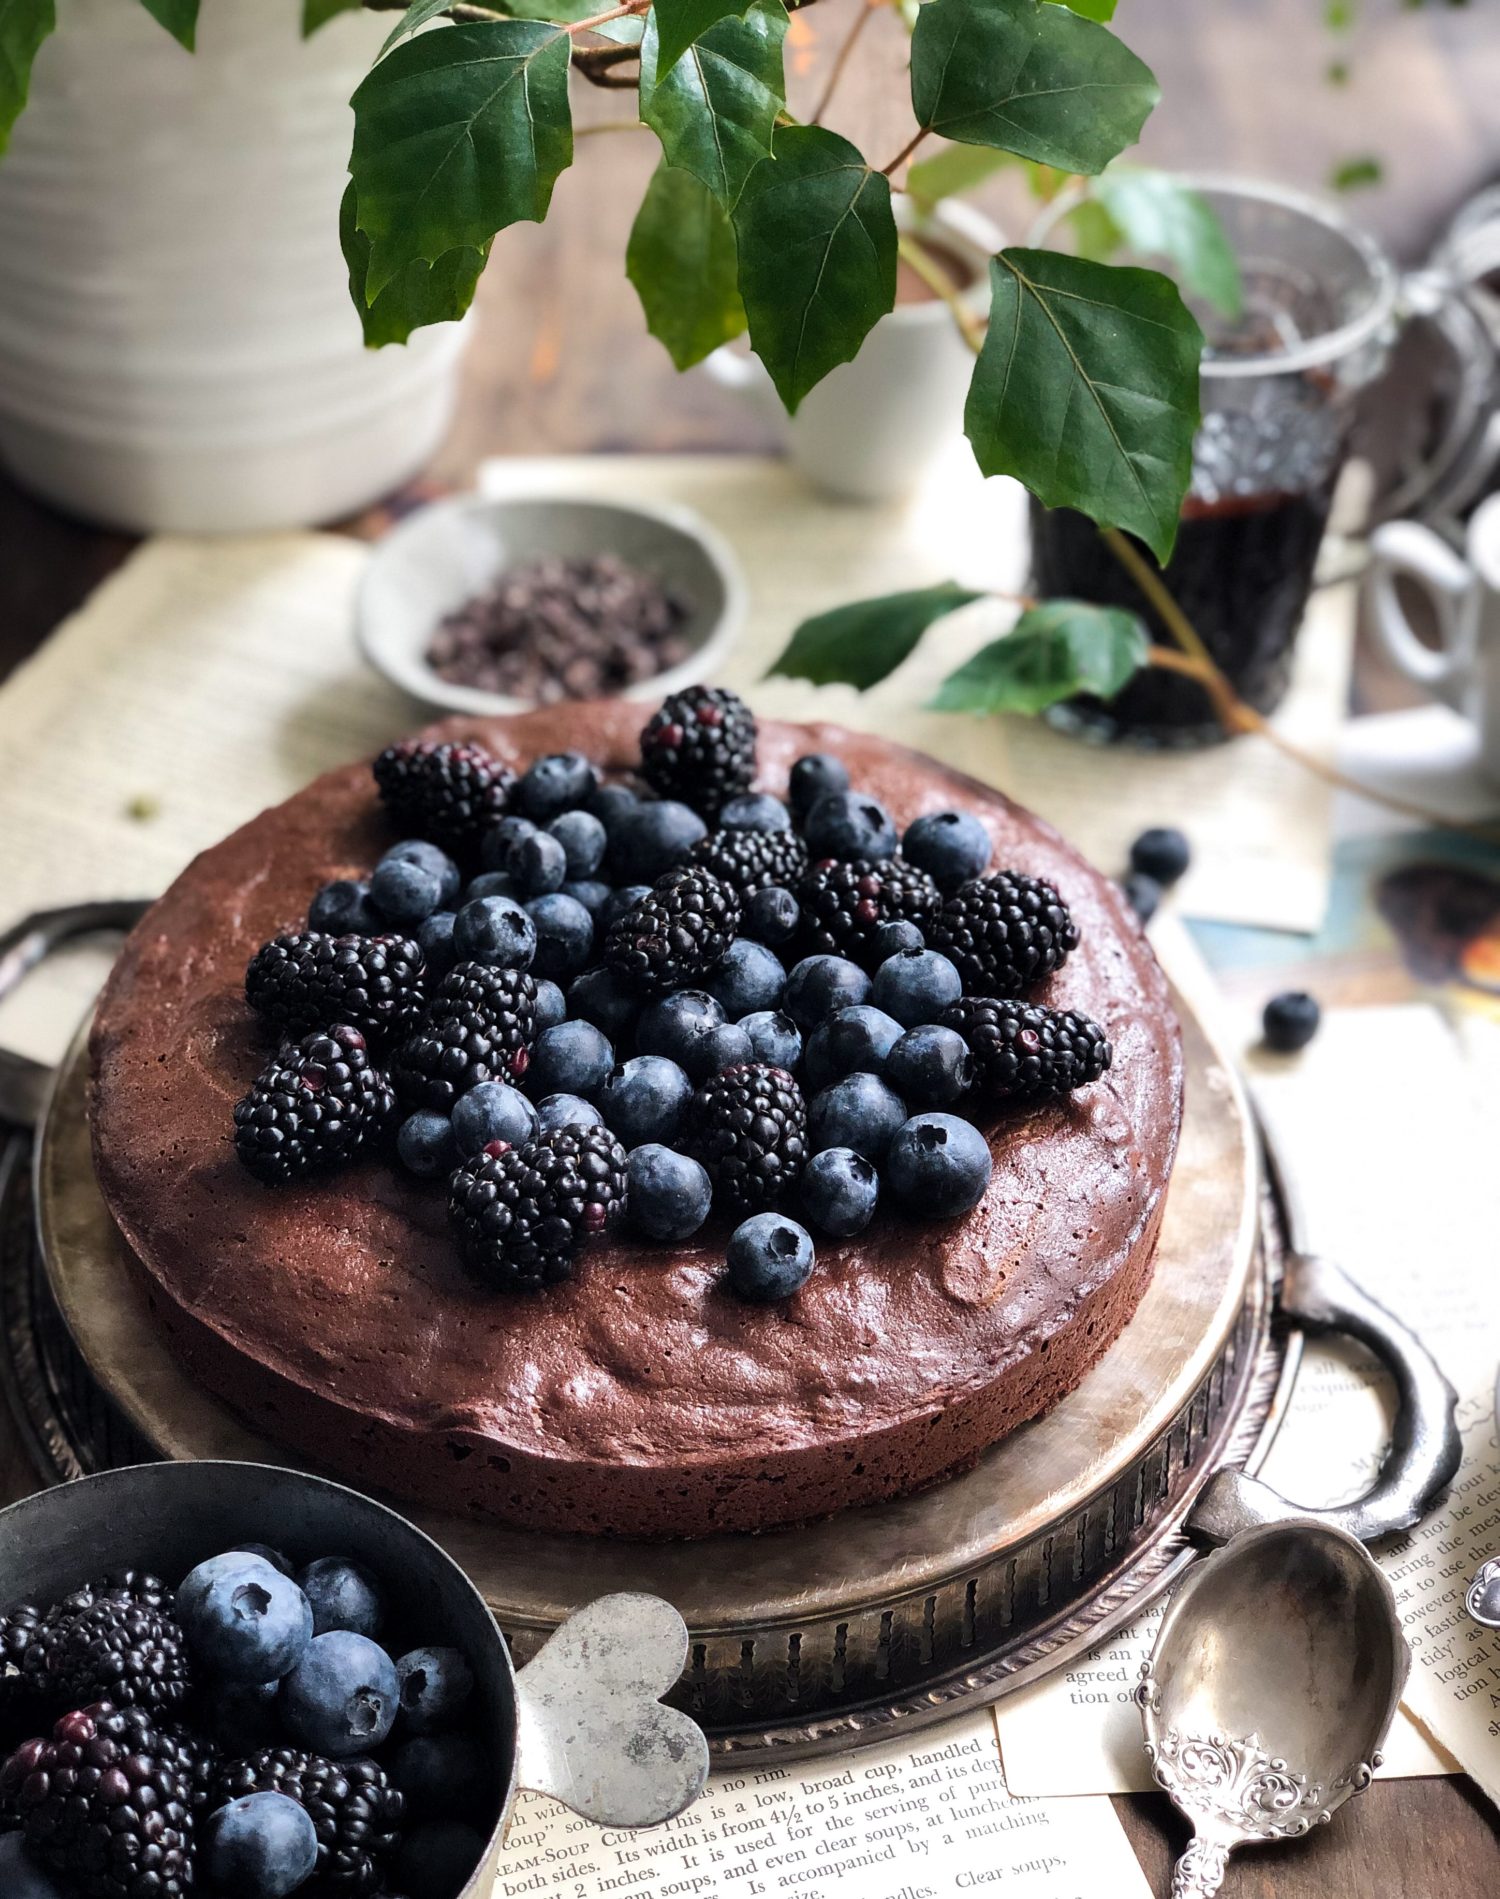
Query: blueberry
[(775, 1038), (500, 841), (839, 1190), (261, 1847), (539, 864), (404, 892), (435, 940), (1290, 1021), (492, 883), (772, 915), (564, 935), (724, 1047), (556, 784), (930, 1067), (441, 1776), (859, 1037), (675, 1025), (575, 1058), (645, 1100), (1161, 853), (436, 1685), (551, 1005), (342, 1697), (583, 839), (599, 996), (653, 838), (951, 846), (1142, 893), (938, 1166), (750, 977), (859, 1112), (668, 1195), (769, 1257), (416, 850), (820, 984), (755, 811), (916, 986), (619, 901), (566, 1111), (495, 931), (493, 1111), (267, 1555), (437, 1860), (343, 908), (425, 1145), (815, 776), (243, 1619), (590, 893), (610, 803), (850, 824), (342, 1596), (893, 937), (20, 1876)]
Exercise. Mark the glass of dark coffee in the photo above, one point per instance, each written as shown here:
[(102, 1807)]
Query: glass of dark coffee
[(1281, 379)]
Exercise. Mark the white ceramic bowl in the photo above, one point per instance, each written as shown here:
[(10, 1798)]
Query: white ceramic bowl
[(448, 552)]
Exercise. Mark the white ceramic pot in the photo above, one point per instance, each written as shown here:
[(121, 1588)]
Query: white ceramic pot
[(177, 345), (871, 428)]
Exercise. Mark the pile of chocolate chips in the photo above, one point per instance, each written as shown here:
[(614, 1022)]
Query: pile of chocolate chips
[(563, 629)]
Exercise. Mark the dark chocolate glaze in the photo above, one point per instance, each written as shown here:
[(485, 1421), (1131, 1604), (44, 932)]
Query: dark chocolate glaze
[(640, 1398)]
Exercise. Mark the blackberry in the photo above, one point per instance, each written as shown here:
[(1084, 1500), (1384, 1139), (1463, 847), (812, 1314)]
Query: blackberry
[(18, 1629), (749, 1129), (677, 934), (313, 1106), (1024, 1052), (121, 1651), (844, 906), (478, 1025), (310, 981), (451, 793), (352, 1804), (523, 1213), (699, 747), (753, 860), (1004, 932), (106, 1805), (119, 1586)]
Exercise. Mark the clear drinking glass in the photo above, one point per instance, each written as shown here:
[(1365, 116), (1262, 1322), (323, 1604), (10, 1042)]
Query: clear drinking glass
[(1280, 385)]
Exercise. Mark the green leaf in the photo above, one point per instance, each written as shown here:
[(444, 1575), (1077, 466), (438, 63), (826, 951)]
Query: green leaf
[(681, 259), (1052, 652), (24, 24), (1028, 78), (457, 135), (1086, 390), (1356, 174), (858, 645), (420, 294), (955, 169), (316, 13), (1095, 233), (817, 247), (416, 15), (1091, 9), (680, 22), (179, 17), (715, 111), (1159, 216)]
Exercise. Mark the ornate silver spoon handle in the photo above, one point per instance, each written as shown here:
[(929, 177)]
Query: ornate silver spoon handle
[(1200, 1872)]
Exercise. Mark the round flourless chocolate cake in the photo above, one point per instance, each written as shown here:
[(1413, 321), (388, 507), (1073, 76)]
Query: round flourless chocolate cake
[(639, 1398)]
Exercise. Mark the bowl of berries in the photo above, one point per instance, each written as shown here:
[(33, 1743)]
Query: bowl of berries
[(235, 1679)]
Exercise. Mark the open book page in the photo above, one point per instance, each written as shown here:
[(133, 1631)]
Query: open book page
[(921, 1819), (1261, 825), (1345, 1126)]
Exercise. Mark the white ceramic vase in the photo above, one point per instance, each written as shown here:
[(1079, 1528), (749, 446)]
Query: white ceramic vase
[(177, 345)]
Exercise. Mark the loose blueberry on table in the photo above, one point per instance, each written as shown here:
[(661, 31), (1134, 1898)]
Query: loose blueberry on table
[(206, 1740), (589, 1006)]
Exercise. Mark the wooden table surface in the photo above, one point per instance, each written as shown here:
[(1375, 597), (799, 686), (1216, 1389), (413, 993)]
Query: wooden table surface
[(561, 363)]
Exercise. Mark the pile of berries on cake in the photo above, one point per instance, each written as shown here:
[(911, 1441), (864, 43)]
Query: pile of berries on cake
[(585, 1005), (244, 1735)]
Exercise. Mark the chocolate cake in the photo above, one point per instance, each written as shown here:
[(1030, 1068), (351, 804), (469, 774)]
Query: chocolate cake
[(640, 1398)]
